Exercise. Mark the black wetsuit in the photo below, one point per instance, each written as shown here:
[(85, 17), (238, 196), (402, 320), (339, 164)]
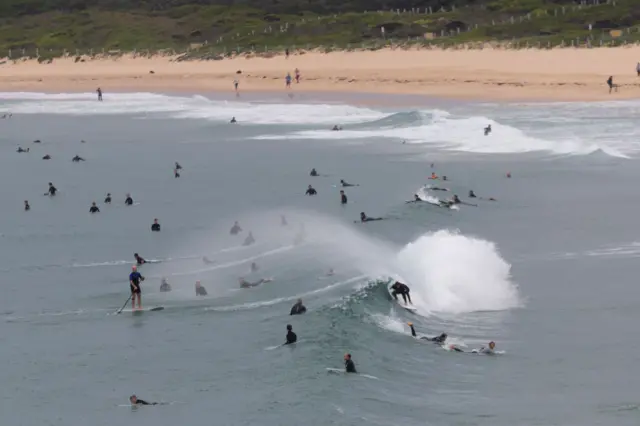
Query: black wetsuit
[(364, 218), (247, 284), (235, 230), (345, 184), (94, 209), (472, 194), (291, 338), (349, 366), (142, 401), (134, 282), (313, 173), (201, 291), (403, 289), (107, 200), (140, 260), (129, 201), (155, 227), (298, 309), (311, 191), (52, 190), (27, 207), (438, 339), (343, 198)]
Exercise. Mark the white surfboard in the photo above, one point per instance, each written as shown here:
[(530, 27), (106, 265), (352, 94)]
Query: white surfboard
[(139, 311), (400, 301), (339, 371)]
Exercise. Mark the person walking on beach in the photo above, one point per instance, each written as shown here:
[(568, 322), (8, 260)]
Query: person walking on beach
[(286, 53), (235, 85), (297, 74), (99, 92), (287, 79), (638, 69), (611, 85)]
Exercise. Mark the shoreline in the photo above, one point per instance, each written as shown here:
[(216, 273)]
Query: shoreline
[(564, 75)]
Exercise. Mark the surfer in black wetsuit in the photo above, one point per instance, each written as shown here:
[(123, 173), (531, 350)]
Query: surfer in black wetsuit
[(403, 289), (139, 260), (249, 240), (487, 130), (311, 191), (77, 159), (233, 120), (291, 336), (455, 200), (298, 308), (349, 365), (343, 198), (200, 291), (438, 339), (134, 400), (235, 229), (155, 227), (94, 208), (246, 284), (472, 194), (416, 199), (313, 173), (128, 201), (52, 190), (365, 218), (27, 207), (107, 199), (346, 184), (178, 166), (46, 157)]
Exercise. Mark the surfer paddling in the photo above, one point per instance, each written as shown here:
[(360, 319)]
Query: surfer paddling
[(135, 401), (438, 339)]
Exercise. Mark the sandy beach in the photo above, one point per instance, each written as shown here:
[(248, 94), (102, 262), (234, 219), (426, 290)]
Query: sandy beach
[(488, 74)]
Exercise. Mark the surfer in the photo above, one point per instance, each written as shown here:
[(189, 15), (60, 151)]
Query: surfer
[(433, 176), (254, 267), (233, 120), (99, 92), (349, 365), (134, 400), (487, 130), (134, 282), (365, 218), (438, 339), (139, 260), (52, 190), (403, 289), (336, 128), (235, 229), (246, 284), (435, 188), (489, 350), (207, 261), (311, 191), (107, 199), (455, 199), (249, 240), (291, 336), (343, 198), (176, 174), (27, 207), (164, 285), (178, 166), (46, 157), (416, 199), (200, 291), (155, 227), (77, 159), (313, 173), (472, 194), (94, 208), (347, 184), (128, 201), (20, 149), (298, 308)]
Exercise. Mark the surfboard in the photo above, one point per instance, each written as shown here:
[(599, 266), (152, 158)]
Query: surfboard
[(400, 301), (139, 311), (341, 372)]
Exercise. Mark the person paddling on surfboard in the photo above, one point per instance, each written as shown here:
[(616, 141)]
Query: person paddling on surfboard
[(349, 365), (134, 400), (365, 218), (438, 339), (403, 289), (134, 282)]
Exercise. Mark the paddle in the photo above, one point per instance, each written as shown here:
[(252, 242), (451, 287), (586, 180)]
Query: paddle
[(125, 304)]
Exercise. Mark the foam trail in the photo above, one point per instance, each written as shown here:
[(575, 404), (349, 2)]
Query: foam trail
[(449, 272)]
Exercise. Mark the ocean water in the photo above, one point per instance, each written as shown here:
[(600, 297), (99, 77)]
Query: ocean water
[(547, 271)]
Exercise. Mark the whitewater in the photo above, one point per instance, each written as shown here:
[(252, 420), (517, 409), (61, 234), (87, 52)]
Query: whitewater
[(547, 271)]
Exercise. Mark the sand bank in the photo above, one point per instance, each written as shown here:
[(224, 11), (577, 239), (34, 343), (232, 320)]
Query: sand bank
[(489, 74)]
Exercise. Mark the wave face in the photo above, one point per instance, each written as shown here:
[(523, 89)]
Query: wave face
[(559, 129)]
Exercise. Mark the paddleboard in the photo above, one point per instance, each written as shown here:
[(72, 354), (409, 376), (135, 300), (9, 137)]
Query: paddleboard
[(400, 301), (139, 311)]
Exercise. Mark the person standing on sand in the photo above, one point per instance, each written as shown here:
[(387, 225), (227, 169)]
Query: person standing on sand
[(297, 73), (286, 53), (99, 92), (287, 79), (235, 84), (611, 85), (638, 69)]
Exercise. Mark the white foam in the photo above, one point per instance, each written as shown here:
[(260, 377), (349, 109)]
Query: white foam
[(449, 272), (191, 107)]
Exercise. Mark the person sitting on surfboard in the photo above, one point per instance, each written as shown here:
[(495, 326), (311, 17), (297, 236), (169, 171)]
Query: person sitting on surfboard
[(134, 282), (349, 365), (298, 308), (235, 229), (128, 201), (291, 336), (403, 289), (134, 400), (313, 173), (200, 291), (438, 339), (139, 260)]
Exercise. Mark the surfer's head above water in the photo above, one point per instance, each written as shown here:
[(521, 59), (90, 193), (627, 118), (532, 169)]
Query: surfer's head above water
[(492, 345)]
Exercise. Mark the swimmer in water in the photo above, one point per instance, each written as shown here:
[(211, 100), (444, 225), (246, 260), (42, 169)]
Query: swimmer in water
[(200, 291), (77, 159), (139, 260), (27, 207), (365, 218), (249, 240), (165, 286), (134, 400), (433, 176), (155, 227), (107, 199), (438, 339), (472, 194), (233, 120), (435, 188), (291, 336), (52, 190), (311, 191), (246, 284), (128, 201), (94, 208), (349, 365), (46, 157), (313, 173), (298, 308), (235, 229)]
